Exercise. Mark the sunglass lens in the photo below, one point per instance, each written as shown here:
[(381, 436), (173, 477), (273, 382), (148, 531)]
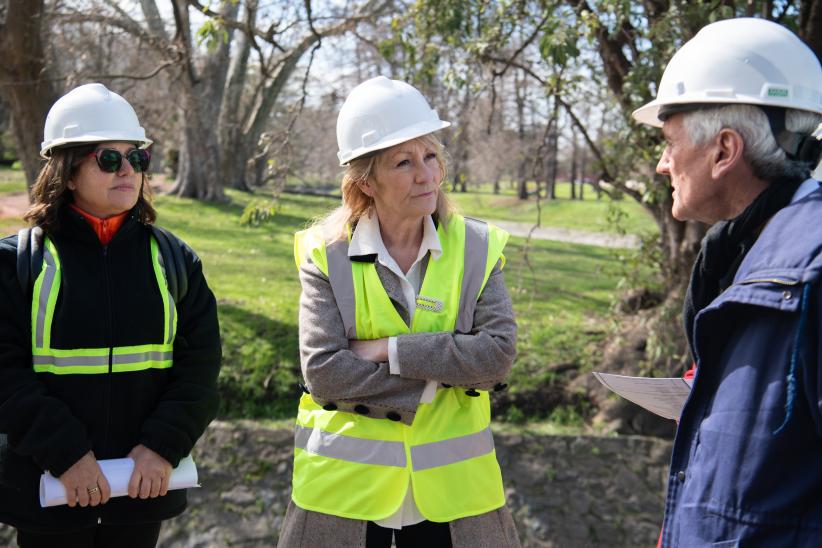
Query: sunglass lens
[(109, 160), (139, 159)]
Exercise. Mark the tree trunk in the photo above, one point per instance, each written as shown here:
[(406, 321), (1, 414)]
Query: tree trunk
[(574, 159), (233, 165), (522, 190), (197, 175), (552, 156), (462, 141), (810, 25), (24, 79)]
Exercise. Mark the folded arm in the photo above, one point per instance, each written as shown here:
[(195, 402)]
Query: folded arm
[(333, 372), (478, 359)]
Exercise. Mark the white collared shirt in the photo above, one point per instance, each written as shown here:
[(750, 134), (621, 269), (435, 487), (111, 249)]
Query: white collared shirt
[(367, 240)]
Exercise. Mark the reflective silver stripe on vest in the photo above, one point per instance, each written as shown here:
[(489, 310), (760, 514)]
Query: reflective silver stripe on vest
[(139, 357), (342, 284), (476, 255), (172, 309), (450, 451), (67, 361), (325, 444), (49, 272)]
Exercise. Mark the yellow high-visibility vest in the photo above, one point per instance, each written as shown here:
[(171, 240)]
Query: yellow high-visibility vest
[(85, 361), (360, 467)]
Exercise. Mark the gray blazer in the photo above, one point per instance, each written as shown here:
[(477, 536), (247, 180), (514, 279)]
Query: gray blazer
[(334, 374)]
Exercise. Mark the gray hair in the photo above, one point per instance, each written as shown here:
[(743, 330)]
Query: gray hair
[(767, 160)]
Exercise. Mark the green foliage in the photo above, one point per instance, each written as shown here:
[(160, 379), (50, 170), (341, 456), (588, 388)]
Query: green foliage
[(567, 416), (8, 147), (514, 415), (258, 212), (212, 33)]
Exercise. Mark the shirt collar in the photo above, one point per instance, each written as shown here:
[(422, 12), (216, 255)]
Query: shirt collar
[(367, 239), (804, 189)]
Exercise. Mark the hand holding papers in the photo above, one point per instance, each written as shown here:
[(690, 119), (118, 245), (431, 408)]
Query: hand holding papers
[(665, 397), (117, 472)]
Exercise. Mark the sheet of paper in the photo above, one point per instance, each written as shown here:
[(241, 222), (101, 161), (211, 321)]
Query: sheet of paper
[(663, 396), (117, 472)]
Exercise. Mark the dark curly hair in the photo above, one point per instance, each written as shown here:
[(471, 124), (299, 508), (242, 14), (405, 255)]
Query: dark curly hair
[(50, 192)]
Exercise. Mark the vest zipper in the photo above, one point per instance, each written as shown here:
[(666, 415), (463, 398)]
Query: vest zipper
[(110, 335)]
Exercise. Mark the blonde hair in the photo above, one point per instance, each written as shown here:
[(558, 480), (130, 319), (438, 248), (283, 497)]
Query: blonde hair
[(355, 203)]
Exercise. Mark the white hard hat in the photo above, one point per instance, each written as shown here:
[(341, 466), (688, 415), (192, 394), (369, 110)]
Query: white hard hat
[(381, 113), (745, 60), (88, 114)]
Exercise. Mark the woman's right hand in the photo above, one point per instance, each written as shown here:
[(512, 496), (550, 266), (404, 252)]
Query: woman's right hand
[(85, 483)]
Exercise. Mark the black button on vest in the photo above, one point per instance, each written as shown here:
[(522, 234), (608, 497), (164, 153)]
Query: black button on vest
[(330, 406), (473, 393), (393, 416), (361, 409)]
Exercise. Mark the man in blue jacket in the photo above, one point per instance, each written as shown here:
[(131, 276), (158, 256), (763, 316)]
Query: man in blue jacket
[(738, 105)]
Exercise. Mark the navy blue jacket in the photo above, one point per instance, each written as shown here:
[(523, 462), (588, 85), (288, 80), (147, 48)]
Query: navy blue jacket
[(746, 468)]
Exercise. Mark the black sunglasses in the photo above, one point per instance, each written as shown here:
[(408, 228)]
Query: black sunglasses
[(110, 160)]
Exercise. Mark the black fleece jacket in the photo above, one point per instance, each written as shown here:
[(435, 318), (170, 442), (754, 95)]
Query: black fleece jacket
[(108, 298)]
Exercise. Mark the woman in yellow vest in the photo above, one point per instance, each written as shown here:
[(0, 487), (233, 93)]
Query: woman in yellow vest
[(107, 350), (405, 325)]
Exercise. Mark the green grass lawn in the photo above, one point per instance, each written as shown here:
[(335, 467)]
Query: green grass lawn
[(560, 295), (11, 181), (589, 214), (557, 298)]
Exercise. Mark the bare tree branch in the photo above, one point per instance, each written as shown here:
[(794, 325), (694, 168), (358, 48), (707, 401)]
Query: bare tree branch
[(606, 174), (128, 25)]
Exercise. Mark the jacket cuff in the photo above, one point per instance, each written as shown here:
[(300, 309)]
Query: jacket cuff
[(171, 454), (393, 356), (64, 459)]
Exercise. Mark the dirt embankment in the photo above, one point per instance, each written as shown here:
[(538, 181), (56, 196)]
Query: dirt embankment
[(564, 491)]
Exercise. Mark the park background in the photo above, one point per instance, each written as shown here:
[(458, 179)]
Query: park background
[(240, 98)]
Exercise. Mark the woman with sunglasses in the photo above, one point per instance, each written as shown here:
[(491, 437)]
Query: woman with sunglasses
[(405, 326), (97, 361)]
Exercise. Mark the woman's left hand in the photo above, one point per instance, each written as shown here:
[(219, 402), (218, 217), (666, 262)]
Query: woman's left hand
[(151, 474), (375, 350)]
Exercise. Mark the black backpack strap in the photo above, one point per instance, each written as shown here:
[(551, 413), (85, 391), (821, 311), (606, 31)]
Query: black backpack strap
[(29, 257), (171, 250), (23, 264)]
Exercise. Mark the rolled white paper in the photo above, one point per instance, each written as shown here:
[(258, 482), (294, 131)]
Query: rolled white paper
[(117, 472)]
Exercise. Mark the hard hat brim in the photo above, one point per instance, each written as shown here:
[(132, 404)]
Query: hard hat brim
[(418, 130), (46, 149), (649, 113)]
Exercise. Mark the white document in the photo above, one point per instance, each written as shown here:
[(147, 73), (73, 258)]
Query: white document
[(117, 472), (664, 396)]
